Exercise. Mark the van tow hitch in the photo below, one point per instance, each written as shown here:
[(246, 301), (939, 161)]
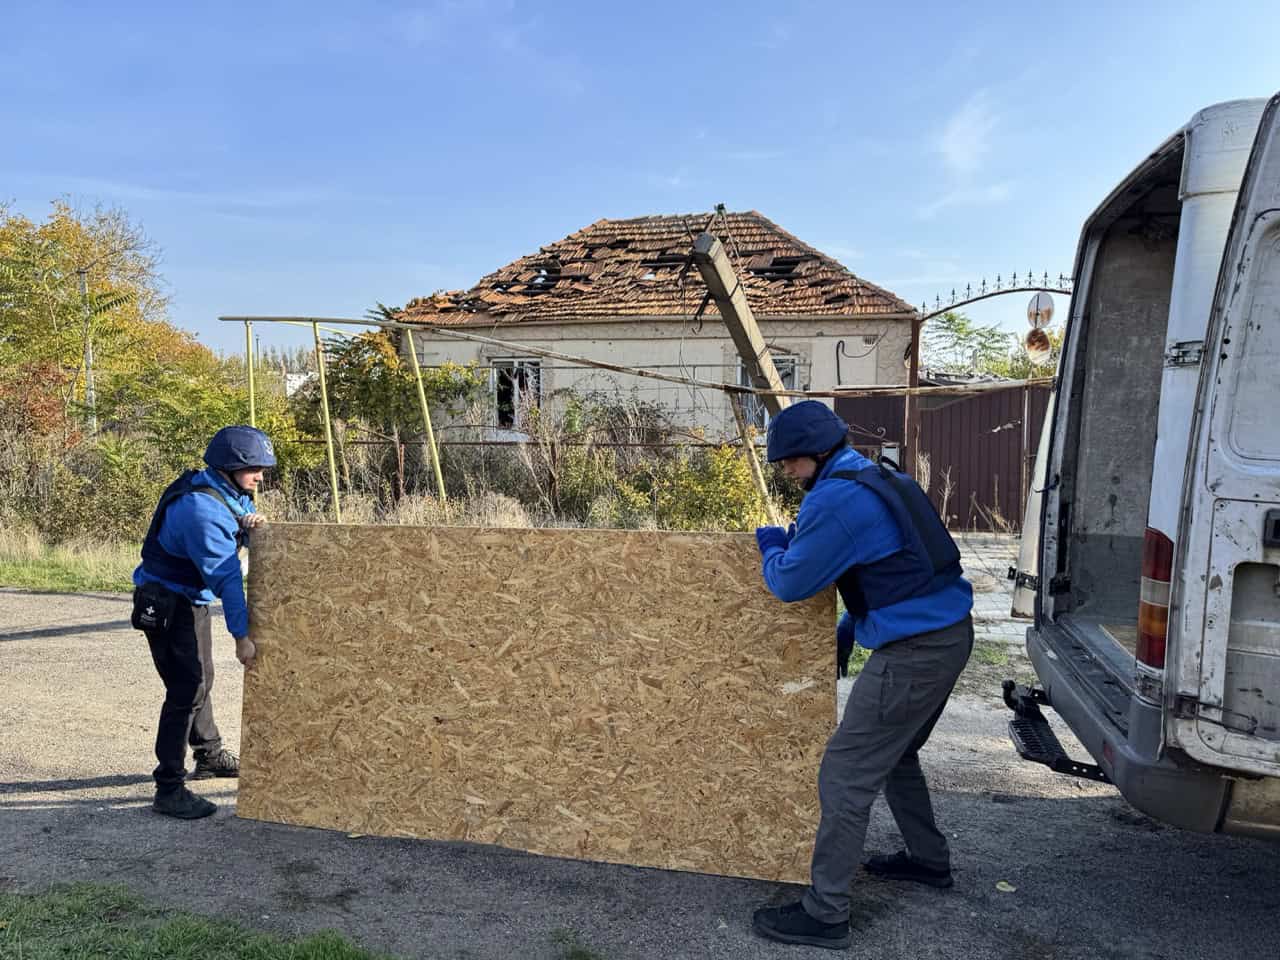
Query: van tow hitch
[(1035, 740)]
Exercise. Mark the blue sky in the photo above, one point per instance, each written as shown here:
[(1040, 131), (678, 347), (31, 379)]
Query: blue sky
[(315, 158)]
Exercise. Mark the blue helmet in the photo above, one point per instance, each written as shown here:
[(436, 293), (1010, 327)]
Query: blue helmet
[(805, 429), (239, 448)]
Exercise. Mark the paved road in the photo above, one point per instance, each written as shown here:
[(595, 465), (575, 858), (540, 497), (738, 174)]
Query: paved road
[(1093, 878)]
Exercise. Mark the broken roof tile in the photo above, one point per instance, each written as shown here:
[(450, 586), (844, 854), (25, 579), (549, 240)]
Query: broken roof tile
[(615, 269)]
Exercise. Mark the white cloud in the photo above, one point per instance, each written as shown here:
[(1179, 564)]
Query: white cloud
[(670, 180), (518, 43), (750, 155), (843, 254), (966, 197), (441, 21), (269, 198), (966, 139), (776, 36)]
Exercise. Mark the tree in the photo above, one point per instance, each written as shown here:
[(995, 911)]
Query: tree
[(370, 382), (1018, 365), (952, 343), (45, 320), (160, 393)]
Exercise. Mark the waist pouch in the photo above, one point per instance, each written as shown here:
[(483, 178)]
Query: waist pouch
[(153, 607)]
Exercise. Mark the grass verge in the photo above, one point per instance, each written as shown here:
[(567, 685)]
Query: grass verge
[(89, 920), (570, 947), (29, 563)]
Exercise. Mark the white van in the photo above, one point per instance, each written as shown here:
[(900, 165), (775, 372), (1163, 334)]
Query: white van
[(1153, 576)]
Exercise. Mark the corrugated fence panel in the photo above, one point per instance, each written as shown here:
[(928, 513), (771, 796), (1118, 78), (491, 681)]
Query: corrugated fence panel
[(978, 446)]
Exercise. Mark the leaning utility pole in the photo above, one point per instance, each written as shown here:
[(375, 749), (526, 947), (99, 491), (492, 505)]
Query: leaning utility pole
[(725, 288)]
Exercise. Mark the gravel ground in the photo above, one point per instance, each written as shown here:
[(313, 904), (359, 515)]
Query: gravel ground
[(1093, 878)]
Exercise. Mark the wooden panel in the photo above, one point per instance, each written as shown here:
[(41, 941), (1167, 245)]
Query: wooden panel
[(632, 697)]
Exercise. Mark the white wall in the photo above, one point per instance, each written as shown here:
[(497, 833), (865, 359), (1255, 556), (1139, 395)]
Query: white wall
[(872, 354)]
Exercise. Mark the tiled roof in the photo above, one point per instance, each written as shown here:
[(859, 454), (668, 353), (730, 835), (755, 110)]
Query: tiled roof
[(640, 268)]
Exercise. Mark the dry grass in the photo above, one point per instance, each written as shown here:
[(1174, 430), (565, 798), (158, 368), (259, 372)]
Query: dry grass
[(26, 561), (485, 509)]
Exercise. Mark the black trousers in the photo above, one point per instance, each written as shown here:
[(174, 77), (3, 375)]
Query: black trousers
[(183, 656)]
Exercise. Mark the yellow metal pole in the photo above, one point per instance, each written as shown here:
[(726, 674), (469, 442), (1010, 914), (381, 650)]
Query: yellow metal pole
[(248, 362), (426, 415), (749, 449), (328, 430)]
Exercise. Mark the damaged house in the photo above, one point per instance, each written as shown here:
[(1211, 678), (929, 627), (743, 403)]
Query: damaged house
[(625, 292)]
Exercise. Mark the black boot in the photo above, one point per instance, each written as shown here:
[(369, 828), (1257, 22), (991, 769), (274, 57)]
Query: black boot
[(224, 763), (900, 866), (183, 804), (792, 924)]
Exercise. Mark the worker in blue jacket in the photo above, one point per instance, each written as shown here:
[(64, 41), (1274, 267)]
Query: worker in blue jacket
[(191, 554), (872, 532)]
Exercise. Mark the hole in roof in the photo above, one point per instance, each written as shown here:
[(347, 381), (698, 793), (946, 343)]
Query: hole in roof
[(546, 278), (664, 260), (779, 268)]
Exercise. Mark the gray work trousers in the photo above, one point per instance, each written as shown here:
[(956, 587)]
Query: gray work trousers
[(892, 709)]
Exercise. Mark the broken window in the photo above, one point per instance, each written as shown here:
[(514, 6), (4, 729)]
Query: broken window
[(753, 407), (517, 389)]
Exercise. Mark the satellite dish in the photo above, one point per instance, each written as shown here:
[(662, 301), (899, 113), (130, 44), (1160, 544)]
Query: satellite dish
[(1040, 310), (1039, 348)]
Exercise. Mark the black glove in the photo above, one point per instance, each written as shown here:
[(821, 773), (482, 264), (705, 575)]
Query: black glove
[(845, 641)]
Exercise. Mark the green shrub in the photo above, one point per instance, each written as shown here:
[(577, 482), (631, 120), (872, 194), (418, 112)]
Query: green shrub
[(708, 490), (106, 491)]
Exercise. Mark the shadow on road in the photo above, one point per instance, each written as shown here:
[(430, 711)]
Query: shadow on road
[(82, 783), (66, 631)]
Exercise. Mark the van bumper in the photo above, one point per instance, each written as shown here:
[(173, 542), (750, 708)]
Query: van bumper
[(1186, 796)]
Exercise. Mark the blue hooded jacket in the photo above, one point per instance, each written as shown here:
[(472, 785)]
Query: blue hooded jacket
[(841, 524), (203, 530)]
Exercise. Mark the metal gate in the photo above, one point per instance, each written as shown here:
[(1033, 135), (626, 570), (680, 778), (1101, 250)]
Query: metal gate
[(980, 449)]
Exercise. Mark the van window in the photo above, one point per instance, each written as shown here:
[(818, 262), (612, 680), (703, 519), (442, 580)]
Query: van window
[(1255, 428)]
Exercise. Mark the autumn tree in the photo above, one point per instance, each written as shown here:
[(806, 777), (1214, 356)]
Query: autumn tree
[(85, 277), (79, 278)]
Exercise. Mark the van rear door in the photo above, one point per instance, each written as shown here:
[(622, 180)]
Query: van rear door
[(1223, 684), (1026, 575)]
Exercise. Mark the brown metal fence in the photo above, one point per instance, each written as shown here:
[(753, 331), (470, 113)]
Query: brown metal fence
[(980, 449)]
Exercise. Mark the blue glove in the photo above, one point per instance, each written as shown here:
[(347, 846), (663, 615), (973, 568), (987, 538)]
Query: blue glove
[(791, 533), (767, 537)]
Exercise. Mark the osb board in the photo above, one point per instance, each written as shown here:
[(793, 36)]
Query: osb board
[(631, 697)]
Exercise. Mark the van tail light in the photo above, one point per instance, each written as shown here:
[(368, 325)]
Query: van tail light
[(1153, 605)]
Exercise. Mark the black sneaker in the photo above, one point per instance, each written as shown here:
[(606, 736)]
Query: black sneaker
[(183, 804), (224, 763), (900, 866), (792, 924)]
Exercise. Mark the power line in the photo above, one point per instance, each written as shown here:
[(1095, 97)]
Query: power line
[(652, 374)]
